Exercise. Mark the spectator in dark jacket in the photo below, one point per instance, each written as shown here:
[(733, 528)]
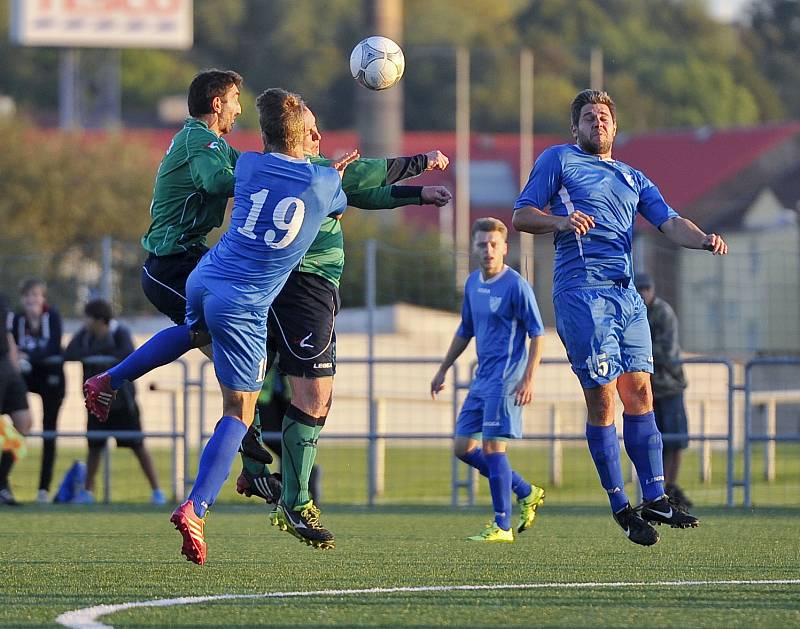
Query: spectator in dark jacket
[(36, 328), (669, 382), (14, 403), (100, 344)]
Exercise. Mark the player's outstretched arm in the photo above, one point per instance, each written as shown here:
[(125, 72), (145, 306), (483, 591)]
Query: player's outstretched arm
[(533, 221), (685, 233), (457, 347)]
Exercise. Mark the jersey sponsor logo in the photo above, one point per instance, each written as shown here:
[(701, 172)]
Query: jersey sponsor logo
[(212, 145), (303, 341), (322, 365), (494, 303), (484, 291)]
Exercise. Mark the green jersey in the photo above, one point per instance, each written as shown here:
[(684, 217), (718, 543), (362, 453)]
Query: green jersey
[(364, 183), (193, 184)]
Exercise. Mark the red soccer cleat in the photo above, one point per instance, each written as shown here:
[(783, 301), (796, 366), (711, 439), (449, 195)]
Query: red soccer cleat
[(98, 395), (191, 528)]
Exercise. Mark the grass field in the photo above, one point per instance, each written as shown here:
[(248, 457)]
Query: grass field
[(422, 474), (56, 559), (565, 572)]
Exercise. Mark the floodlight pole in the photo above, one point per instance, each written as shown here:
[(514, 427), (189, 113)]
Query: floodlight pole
[(526, 259), (596, 68), (462, 166), (68, 93)]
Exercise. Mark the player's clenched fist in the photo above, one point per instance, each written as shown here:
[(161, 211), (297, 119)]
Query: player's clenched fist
[(437, 160), (715, 244), (577, 222), (435, 195)]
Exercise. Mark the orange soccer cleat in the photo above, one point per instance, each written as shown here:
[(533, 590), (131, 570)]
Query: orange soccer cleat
[(191, 528)]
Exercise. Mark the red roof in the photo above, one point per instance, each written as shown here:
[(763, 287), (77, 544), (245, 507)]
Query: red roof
[(685, 165)]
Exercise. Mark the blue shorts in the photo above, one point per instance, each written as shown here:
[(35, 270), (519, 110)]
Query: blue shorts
[(605, 332), (496, 416), (670, 413), (239, 336)]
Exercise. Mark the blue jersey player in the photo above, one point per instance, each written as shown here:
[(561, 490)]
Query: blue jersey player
[(500, 311), (593, 201), (280, 201)]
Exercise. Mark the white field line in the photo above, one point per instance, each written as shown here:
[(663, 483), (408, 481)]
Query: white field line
[(87, 618)]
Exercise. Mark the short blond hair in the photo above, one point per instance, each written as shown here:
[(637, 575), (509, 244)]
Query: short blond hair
[(489, 224)]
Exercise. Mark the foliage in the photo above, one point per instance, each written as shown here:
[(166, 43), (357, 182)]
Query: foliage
[(668, 62), (61, 193)]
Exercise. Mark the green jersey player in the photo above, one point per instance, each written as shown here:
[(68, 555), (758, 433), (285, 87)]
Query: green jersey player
[(301, 323)]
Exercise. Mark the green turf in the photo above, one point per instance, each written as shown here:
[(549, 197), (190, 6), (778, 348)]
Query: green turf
[(59, 558)]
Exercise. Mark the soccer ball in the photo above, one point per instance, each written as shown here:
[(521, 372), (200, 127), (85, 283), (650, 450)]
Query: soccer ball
[(377, 63)]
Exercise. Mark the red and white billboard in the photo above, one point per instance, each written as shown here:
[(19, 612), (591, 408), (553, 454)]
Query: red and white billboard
[(102, 23)]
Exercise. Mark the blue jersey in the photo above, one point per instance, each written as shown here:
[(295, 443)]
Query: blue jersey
[(500, 313), (566, 179), (279, 205)]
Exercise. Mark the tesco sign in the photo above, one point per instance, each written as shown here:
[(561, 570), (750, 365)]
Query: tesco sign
[(102, 23)]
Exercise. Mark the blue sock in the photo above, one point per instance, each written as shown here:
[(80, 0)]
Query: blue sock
[(166, 346), (604, 447), (500, 487), (215, 463), (643, 445), (477, 459)]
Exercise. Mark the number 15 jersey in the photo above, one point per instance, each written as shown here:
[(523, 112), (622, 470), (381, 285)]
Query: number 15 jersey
[(279, 205)]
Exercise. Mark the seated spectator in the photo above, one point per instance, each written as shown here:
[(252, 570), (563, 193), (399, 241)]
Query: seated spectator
[(37, 331), (14, 403), (100, 344)]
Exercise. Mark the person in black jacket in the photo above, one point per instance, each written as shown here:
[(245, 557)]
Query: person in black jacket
[(13, 402), (36, 329), (100, 344)]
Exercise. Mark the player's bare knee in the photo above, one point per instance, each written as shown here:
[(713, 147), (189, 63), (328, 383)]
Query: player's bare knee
[(494, 446)]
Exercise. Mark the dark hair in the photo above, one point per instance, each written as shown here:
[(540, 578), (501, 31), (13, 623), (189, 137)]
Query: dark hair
[(31, 283), (489, 224), (98, 309), (280, 116), (591, 97), (209, 85)]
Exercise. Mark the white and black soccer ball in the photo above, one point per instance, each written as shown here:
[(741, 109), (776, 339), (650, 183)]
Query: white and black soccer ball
[(377, 63)]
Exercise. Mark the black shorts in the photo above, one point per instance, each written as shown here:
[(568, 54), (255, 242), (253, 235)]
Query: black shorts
[(164, 281), (670, 413), (118, 419), (13, 392), (301, 326)]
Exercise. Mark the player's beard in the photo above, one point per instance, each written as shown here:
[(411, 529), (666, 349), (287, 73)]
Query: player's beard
[(600, 146)]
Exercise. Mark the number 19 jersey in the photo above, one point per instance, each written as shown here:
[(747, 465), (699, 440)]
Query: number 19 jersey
[(279, 205)]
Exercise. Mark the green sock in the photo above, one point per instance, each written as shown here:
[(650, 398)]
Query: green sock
[(299, 443), (251, 465)]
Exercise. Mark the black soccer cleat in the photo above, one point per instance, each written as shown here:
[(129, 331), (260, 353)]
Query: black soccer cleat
[(267, 486), (304, 524), (636, 529), (252, 447), (665, 511)]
